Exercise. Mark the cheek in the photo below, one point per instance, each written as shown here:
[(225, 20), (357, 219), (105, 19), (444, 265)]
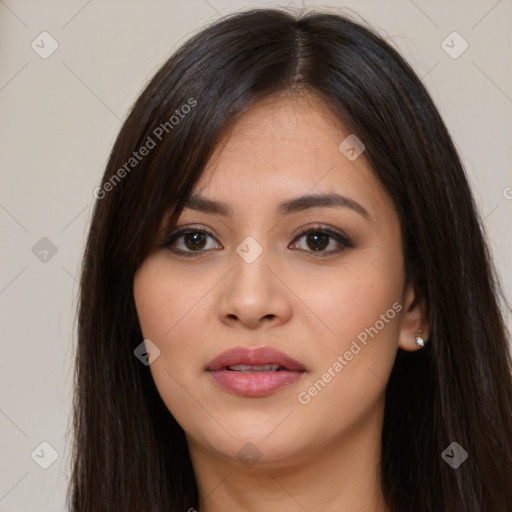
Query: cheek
[(353, 297), (362, 308), (167, 304), (163, 304), (164, 298)]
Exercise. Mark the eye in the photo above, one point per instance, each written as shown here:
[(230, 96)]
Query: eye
[(194, 240), (317, 238)]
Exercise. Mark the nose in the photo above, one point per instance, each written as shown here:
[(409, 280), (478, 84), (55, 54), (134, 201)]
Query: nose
[(254, 295)]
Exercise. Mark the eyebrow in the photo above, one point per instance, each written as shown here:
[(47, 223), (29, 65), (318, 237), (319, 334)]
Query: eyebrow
[(296, 204)]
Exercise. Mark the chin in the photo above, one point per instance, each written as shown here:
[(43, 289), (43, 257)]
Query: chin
[(257, 444)]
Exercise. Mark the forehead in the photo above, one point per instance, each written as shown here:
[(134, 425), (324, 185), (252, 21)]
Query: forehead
[(285, 126), (286, 146)]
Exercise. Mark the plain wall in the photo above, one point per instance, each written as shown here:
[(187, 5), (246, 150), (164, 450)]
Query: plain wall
[(60, 116)]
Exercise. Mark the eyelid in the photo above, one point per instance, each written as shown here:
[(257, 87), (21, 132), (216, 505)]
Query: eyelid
[(314, 226)]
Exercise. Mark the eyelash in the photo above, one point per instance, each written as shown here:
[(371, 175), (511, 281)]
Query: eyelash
[(340, 238)]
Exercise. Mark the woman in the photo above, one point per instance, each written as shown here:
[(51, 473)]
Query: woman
[(286, 300)]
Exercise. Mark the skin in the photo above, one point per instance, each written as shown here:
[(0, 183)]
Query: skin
[(324, 454)]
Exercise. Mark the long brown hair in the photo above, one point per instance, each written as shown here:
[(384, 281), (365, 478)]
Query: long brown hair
[(129, 453)]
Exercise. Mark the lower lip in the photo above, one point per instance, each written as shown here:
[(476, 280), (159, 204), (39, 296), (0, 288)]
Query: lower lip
[(254, 383)]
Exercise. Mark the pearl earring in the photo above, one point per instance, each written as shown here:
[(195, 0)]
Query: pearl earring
[(420, 342)]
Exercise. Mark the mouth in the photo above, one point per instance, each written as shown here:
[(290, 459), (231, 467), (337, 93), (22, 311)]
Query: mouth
[(247, 368), (254, 372)]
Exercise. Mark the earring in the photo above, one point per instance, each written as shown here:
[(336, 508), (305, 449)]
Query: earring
[(420, 342)]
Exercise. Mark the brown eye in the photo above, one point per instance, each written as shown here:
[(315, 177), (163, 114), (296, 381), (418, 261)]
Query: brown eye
[(317, 241), (318, 238), (188, 241), (194, 240)]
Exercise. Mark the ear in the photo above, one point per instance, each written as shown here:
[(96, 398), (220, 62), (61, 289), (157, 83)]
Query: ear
[(414, 319)]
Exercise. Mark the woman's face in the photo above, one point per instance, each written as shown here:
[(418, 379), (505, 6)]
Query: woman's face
[(332, 302)]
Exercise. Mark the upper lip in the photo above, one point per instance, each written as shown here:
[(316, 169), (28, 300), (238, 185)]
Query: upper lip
[(254, 357)]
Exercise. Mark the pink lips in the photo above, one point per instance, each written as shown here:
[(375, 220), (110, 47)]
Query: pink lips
[(254, 383)]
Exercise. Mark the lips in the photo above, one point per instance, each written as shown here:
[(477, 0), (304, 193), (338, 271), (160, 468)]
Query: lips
[(254, 372), (254, 357)]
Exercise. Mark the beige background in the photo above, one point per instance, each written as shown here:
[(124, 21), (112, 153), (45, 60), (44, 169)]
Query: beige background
[(60, 115)]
